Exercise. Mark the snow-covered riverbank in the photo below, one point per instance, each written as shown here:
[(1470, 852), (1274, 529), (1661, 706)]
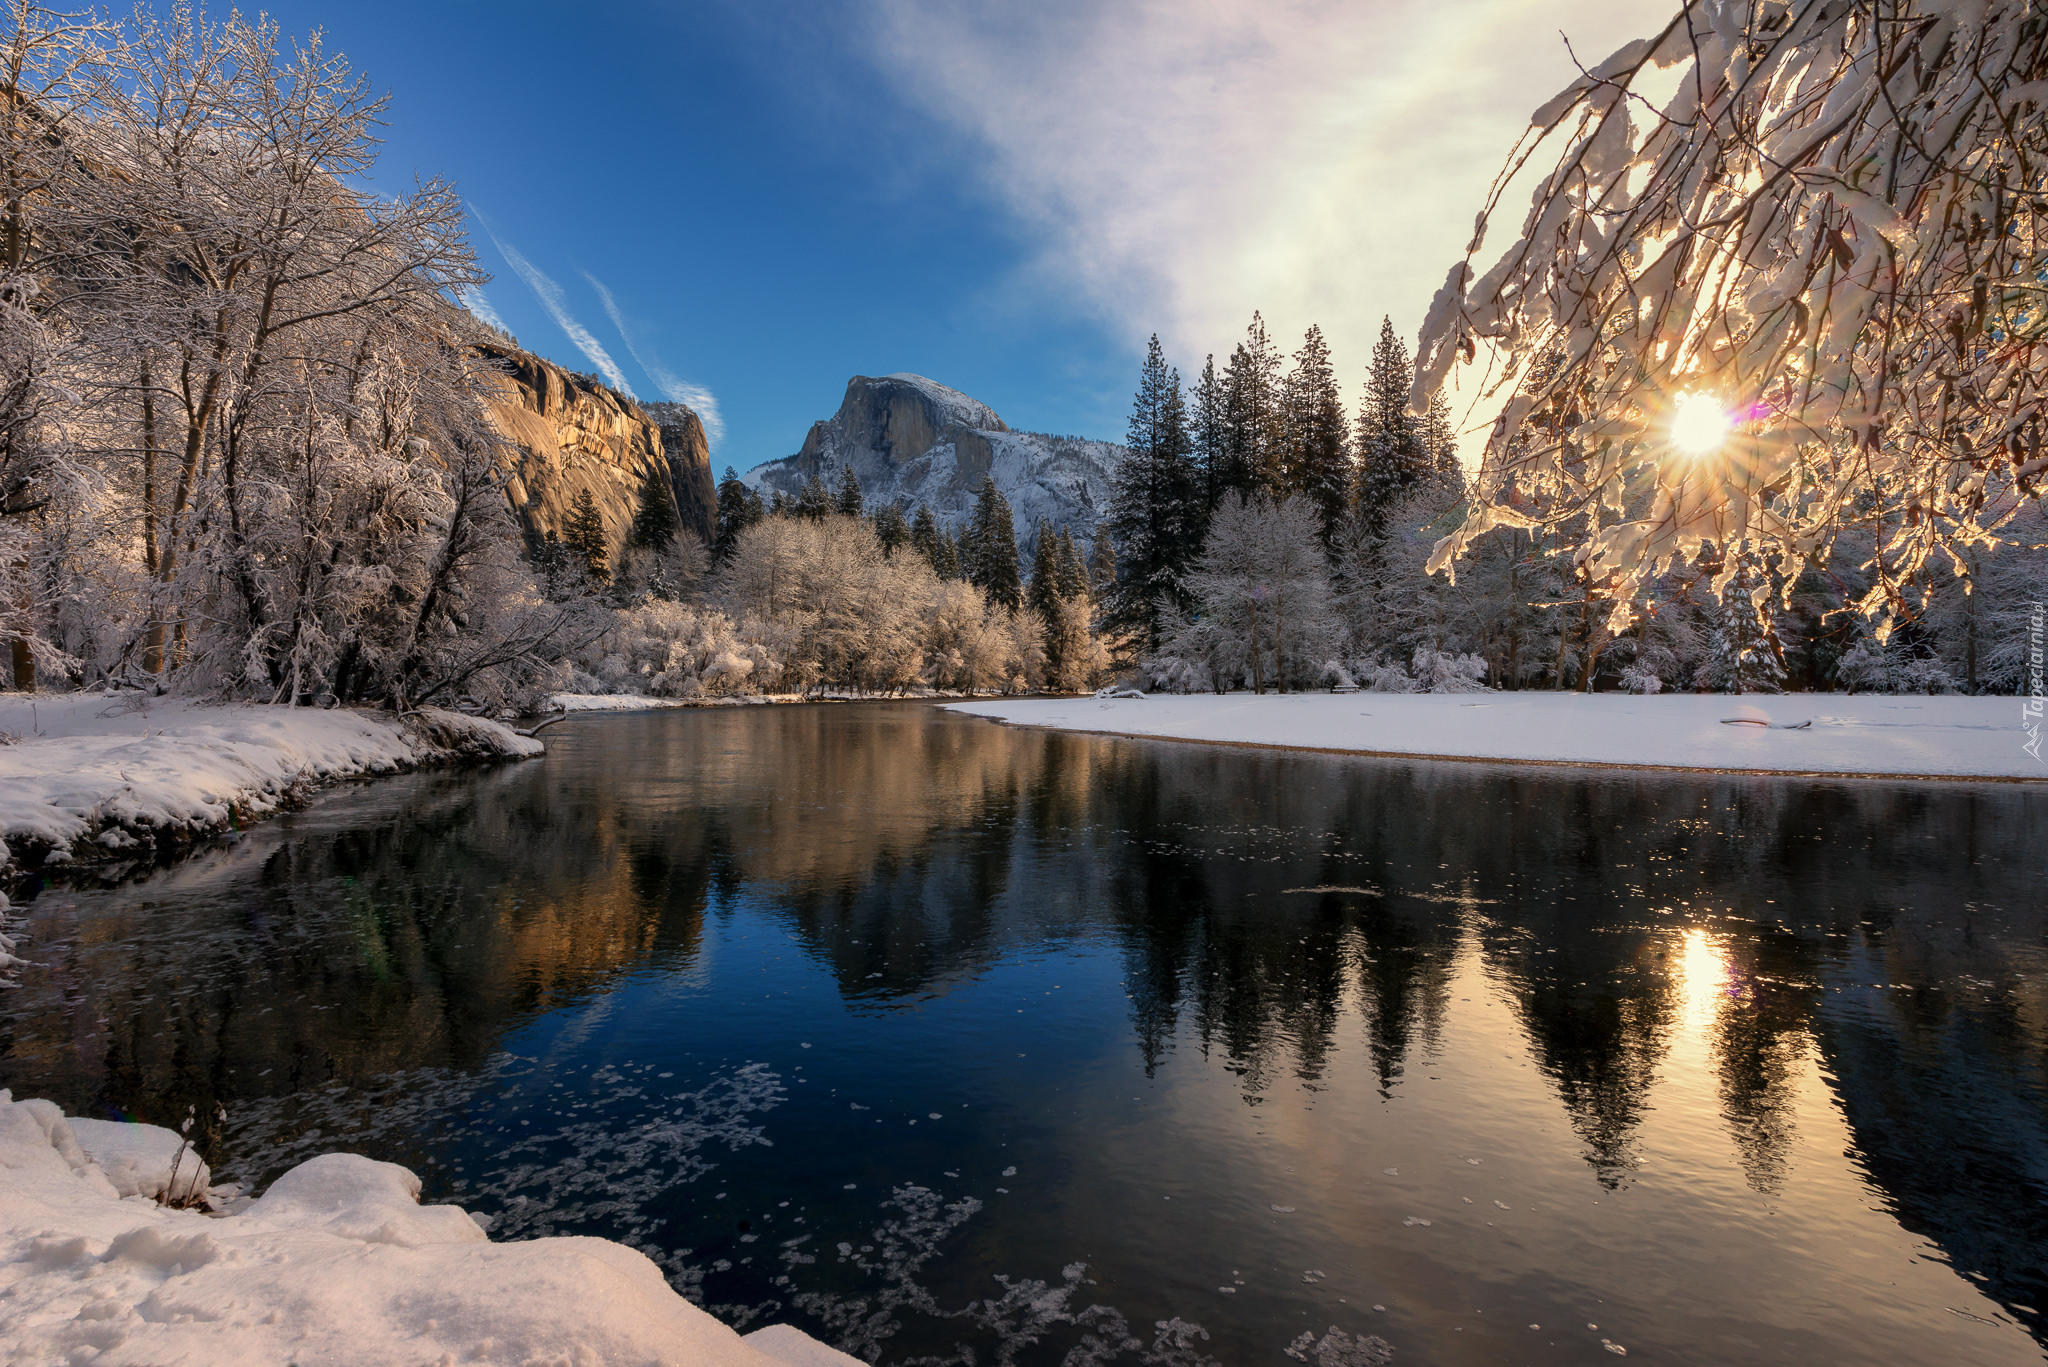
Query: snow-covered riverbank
[(337, 1263), (1948, 737), (84, 774)]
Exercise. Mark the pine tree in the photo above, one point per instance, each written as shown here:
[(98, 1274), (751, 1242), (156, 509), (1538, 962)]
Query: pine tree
[(849, 501), (1253, 427), (1073, 576), (1207, 429), (1747, 656), (583, 537), (738, 508), (1390, 455), (655, 520), (1318, 458), (1044, 593), (1158, 503), (924, 535), (1440, 444), (1101, 566), (989, 547), (890, 528), (946, 558), (813, 501)]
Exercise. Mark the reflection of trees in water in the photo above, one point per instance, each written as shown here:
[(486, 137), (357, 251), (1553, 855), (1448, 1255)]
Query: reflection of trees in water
[(408, 938), (1263, 905)]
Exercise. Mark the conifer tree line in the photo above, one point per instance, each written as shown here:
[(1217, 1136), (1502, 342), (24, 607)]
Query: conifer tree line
[(1264, 538)]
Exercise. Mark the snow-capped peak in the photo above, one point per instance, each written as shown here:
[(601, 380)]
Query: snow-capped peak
[(958, 408)]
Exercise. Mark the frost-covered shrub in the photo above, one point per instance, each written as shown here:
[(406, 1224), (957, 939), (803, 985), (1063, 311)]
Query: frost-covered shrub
[(1892, 667), (1443, 671), (1384, 676), (1638, 679)]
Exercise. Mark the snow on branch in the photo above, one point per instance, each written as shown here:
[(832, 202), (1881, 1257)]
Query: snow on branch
[(1828, 217)]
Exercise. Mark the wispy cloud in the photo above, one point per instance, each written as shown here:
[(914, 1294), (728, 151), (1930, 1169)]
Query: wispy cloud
[(472, 298), (672, 388), (1184, 163), (550, 296)]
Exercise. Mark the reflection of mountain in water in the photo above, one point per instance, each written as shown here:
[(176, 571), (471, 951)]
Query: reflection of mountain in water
[(1267, 910)]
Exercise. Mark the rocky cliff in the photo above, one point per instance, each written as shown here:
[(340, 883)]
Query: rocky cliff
[(571, 433), (916, 441)]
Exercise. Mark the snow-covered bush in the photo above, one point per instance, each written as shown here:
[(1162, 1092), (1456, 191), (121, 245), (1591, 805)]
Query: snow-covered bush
[(1636, 678), (1442, 671), (1891, 667)]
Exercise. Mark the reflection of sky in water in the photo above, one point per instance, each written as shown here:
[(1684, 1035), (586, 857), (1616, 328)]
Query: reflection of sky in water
[(931, 1036)]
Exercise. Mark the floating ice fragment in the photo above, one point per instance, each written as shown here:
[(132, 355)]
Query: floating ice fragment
[(1285, 1210), (1503, 1205), (1009, 1172), (1611, 1346), (1391, 1172), (1228, 1290), (1416, 1220), (935, 1116)]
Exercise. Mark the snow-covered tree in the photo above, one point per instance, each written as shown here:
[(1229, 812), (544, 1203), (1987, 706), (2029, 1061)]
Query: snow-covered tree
[(1788, 259), (1746, 655), (1264, 611)]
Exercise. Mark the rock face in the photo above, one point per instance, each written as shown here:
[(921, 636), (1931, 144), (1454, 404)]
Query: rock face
[(915, 441), (571, 434)]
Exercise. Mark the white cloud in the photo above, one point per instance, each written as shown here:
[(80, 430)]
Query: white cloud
[(472, 298), (550, 296), (1183, 163), (676, 390)]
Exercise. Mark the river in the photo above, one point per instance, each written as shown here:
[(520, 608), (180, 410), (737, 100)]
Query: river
[(933, 1037)]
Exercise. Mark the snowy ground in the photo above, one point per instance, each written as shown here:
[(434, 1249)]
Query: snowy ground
[(337, 1263), (82, 773), (1945, 736)]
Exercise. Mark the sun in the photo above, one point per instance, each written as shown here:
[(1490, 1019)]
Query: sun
[(1699, 424)]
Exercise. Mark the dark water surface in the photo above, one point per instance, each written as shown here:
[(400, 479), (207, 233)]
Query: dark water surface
[(934, 1037)]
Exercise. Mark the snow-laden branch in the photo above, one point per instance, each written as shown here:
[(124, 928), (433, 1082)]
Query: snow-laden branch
[(1834, 222)]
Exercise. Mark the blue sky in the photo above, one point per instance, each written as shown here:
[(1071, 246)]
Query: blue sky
[(1007, 198)]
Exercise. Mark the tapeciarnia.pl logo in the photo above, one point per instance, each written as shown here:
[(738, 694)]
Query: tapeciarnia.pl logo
[(2030, 714)]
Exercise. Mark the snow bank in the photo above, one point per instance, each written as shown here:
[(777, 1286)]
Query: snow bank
[(609, 702), (1924, 736), (336, 1264), (89, 773), (143, 1160)]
